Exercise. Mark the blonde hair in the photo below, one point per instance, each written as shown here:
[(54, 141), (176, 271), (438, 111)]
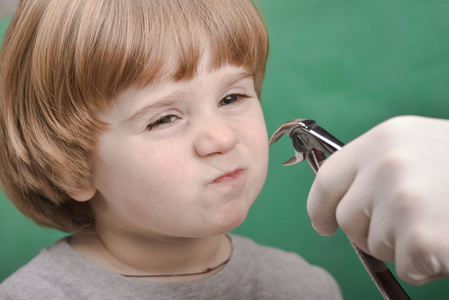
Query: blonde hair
[(63, 61)]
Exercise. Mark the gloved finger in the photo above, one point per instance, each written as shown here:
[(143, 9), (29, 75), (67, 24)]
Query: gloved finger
[(418, 264), (370, 223), (381, 236), (330, 185), (353, 216)]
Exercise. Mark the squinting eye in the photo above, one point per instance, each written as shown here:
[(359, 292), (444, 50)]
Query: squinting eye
[(231, 99), (163, 120)]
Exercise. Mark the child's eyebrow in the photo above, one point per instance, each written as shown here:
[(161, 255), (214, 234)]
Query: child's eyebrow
[(169, 100), (230, 79)]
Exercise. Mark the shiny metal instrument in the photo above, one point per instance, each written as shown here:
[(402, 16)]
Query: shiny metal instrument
[(314, 144)]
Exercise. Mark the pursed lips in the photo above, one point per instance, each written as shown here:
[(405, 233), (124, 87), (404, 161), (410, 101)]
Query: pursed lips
[(229, 177)]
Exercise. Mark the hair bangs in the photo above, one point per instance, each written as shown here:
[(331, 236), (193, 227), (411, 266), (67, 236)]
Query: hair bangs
[(142, 52)]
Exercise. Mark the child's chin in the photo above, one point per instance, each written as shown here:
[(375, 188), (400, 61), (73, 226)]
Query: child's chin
[(232, 219)]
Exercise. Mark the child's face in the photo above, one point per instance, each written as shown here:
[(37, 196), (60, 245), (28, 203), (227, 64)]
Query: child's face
[(183, 159)]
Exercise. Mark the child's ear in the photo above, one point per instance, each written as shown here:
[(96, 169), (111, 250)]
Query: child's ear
[(84, 194)]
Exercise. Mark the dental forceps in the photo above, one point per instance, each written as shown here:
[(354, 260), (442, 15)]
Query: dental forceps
[(313, 143)]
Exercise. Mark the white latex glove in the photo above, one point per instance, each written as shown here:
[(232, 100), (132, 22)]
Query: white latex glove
[(388, 190)]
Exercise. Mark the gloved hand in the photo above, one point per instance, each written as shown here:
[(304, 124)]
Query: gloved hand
[(388, 190)]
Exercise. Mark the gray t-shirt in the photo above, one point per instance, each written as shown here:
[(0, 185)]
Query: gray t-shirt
[(254, 272)]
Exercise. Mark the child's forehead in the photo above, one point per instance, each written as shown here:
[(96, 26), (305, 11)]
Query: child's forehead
[(225, 75)]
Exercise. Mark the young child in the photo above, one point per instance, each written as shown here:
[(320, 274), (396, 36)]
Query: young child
[(136, 126)]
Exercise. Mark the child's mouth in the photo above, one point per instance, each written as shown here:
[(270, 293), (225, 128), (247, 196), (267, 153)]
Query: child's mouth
[(230, 177)]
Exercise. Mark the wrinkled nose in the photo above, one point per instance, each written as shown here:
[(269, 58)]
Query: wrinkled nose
[(216, 136)]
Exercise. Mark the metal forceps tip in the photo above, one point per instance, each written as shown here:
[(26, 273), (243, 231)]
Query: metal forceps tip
[(310, 142)]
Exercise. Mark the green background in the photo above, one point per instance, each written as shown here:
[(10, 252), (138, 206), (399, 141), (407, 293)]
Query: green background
[(349, 65)]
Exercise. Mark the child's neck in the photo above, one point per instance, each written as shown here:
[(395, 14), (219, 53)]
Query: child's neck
[(137, 256)]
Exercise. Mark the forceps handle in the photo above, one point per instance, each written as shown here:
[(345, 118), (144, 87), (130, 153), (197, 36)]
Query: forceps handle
[(385, 281)]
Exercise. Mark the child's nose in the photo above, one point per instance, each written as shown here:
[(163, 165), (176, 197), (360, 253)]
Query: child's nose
[(215, 137)]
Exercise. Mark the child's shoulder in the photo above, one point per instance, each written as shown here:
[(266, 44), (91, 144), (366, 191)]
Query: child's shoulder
[(267, 256), (267, 252), (277, 271), (35, 280)]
